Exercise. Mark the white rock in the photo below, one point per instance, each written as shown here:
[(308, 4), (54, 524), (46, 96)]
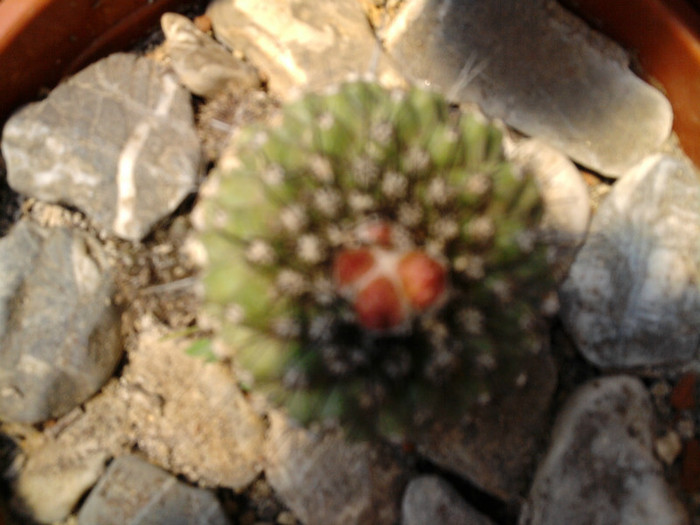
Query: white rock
[(538, 68), (632, 297), (600, 467)]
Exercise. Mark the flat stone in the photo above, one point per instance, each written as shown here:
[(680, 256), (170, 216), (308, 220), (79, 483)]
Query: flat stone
[(430, 499), (632, 298), (134, 492), (203, 65), (117, 141), (495, 447), (600, 467), (325, 480), (540, 69), (59, 332), (301, 44)]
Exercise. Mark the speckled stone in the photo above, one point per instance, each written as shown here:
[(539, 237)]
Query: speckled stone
[(117, 141), (59, 332), (632, 297), (540, 69), (134, 492), (600, 467)]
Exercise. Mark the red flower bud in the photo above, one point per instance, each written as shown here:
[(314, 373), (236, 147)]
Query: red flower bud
[(350, 265), (423, 279), (378, 305)]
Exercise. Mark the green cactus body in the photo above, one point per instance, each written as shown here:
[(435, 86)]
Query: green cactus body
[(373, 259)]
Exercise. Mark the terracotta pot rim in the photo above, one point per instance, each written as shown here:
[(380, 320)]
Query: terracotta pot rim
[(664, 38), (15, 16)]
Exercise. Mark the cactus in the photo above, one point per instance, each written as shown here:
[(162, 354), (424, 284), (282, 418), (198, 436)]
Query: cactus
[(373, 259)]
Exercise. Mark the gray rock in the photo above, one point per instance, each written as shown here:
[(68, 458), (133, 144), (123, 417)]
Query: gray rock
[(117, 141), (429, 499), (202, 64), (134, 492), (495, 446), (301, 43), (59, 332), (600, 467), (325, 480), (632, 297), (543, 71)]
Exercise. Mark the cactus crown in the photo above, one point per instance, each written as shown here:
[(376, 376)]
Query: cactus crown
[(373, 259)]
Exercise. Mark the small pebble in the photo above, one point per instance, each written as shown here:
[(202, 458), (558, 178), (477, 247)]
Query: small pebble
[(668, 447), (203, 23), (203, 65), (286, 518), (685, 427)]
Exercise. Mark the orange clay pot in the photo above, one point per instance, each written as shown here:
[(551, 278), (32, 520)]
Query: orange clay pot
[(43, 40), (664, 35)]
